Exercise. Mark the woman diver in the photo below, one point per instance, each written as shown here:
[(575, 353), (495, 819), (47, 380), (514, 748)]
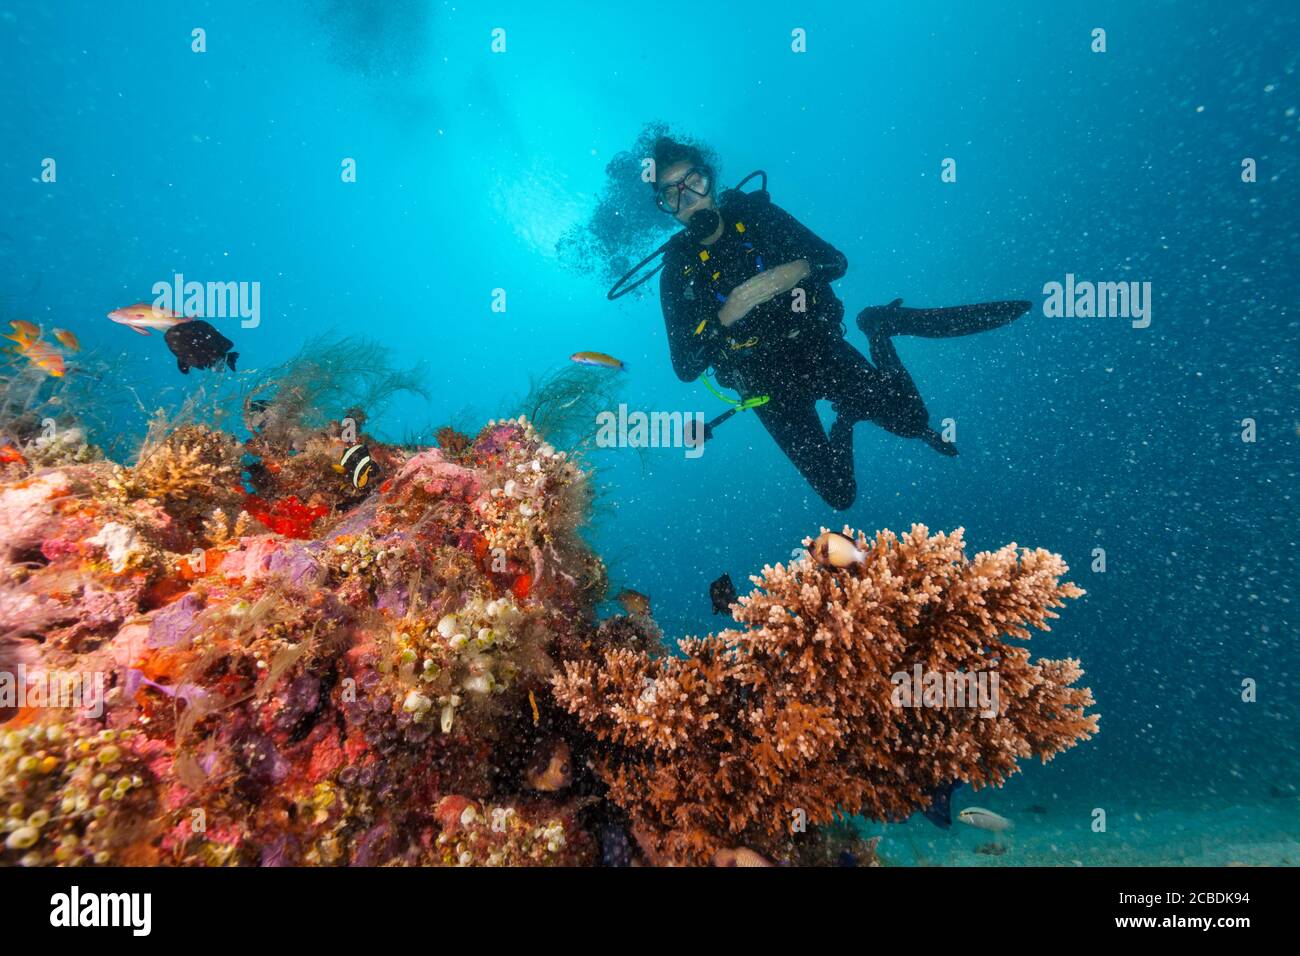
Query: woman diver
[(746, 290)]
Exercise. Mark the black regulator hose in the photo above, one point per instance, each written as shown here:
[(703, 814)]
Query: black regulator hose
[(694, 231)]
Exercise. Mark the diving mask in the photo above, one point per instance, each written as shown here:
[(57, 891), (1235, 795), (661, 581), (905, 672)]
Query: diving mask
[(697, 180)]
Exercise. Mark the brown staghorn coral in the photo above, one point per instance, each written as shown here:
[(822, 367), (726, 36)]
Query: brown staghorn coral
[(795, 718)]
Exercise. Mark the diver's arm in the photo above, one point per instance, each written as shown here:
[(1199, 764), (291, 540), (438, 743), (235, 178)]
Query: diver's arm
[(762, 288), (689, 351), (797, 241)]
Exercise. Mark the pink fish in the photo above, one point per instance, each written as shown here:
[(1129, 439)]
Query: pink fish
[(142, 317)]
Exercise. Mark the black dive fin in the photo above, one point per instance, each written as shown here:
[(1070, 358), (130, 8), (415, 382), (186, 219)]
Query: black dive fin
[(939, 812), (230, 359), (935, 441), (944, 323)]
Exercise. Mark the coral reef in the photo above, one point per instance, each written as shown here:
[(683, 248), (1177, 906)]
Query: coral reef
[(795, 718), (303, 696), (189, 472), (453, 443), (274, 667)]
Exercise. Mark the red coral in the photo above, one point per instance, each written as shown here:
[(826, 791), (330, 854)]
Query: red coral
[(287, 516), (327, 757)]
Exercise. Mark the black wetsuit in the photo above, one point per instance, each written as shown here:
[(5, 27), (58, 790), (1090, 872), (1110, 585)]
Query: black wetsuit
[(800, 357)]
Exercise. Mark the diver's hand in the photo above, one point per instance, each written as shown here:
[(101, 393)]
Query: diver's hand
[(762, 288), (742, 300), (736, 307)]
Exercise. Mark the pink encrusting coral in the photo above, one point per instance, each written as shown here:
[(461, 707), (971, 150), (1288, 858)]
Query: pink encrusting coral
[(343, 677)]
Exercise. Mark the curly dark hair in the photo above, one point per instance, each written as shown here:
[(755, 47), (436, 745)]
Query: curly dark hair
[(667, 151), (625, 225)]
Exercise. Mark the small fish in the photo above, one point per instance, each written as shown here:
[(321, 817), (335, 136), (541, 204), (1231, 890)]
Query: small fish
[(24, 332), (358, 465), (939, 808), (723, 594), (634, 602), (197, 344), (834, 550), (68, 340), (553, 771), (142, 317), (991, 849), (982, 819), (44, 356), (598, 359)]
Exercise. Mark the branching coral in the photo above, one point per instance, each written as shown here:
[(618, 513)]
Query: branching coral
[(795, 718), (191, 470)]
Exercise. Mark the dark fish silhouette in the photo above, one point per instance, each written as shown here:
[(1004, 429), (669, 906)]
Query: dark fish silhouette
[(196, 344), (723, 594), (939, 812)]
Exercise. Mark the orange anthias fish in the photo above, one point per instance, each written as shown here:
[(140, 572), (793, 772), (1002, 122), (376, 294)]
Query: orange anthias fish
[(599, 359), (25, 332), (142, 317), (44, 356), (67, 339)]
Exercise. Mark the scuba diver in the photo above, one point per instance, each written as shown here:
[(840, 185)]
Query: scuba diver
[(746, 291)]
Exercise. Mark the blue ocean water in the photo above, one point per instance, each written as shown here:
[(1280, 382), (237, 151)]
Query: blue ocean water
[(1076, 434)]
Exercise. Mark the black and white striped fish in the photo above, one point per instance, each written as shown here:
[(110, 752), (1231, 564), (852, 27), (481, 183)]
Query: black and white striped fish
[(357, 464)]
